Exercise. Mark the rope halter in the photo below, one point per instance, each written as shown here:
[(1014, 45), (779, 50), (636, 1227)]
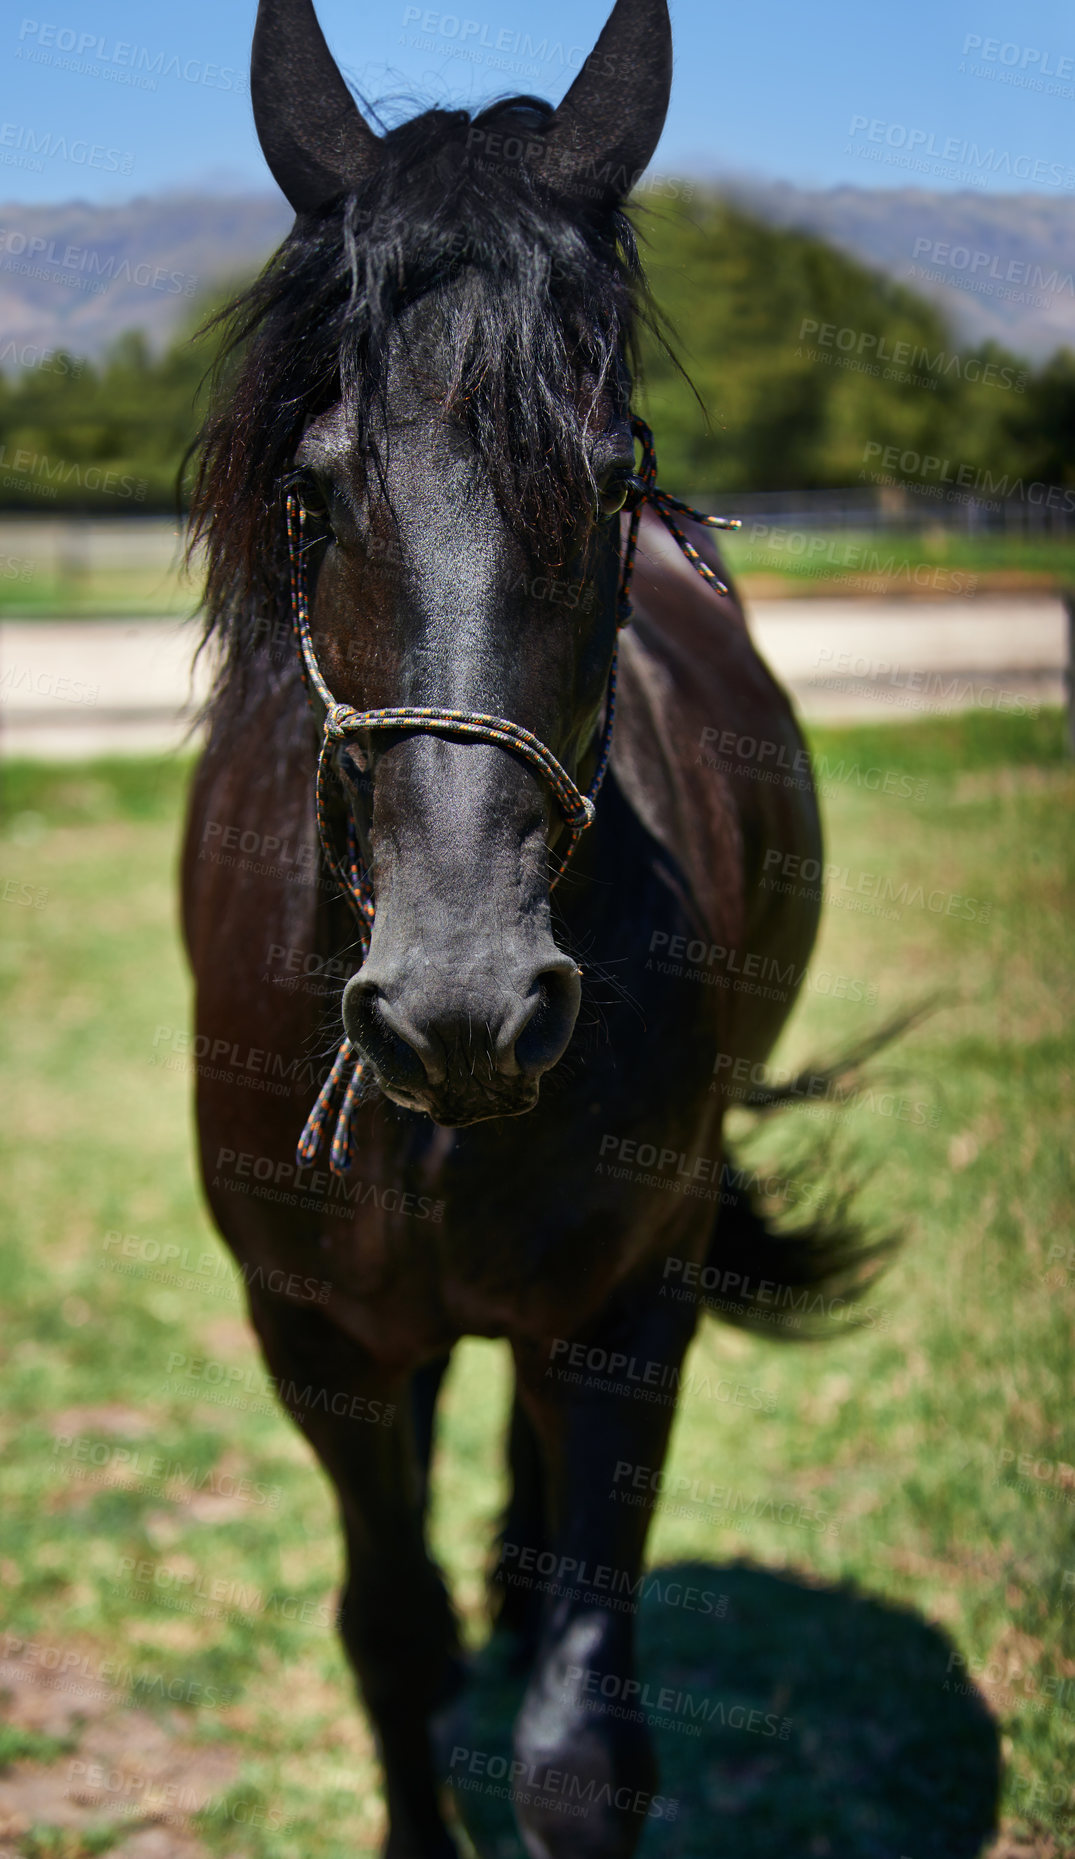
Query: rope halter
[(340, 1092)]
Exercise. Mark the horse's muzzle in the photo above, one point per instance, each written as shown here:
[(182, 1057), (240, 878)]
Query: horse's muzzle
[(463, 1054)]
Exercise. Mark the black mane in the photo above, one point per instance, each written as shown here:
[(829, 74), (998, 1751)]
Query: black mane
[(547, 297)]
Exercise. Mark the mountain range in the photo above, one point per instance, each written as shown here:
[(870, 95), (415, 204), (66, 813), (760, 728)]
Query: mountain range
[(1000, 266), (76, 276)]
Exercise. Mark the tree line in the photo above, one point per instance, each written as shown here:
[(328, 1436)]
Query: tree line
[(801, 359)]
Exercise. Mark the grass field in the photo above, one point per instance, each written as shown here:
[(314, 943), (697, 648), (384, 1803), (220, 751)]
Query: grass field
[(71, 568), (108, 591), (905, 1607), (137, 593), (80, 582), (774, 558)]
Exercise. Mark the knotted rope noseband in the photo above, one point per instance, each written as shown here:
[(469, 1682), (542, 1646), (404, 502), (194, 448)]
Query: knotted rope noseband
[(343, 721)]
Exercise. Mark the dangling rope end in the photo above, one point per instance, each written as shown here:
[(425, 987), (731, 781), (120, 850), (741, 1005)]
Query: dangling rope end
[(310, 1141), (308, 1145), (340, 1155)]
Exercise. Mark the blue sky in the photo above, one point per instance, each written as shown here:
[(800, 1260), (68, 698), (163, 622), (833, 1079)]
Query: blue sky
[(107, 99)]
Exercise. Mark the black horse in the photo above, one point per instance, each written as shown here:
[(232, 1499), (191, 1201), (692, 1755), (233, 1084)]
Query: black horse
[(426, 418)]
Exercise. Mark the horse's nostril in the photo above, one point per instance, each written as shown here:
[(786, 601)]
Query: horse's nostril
[(543, 1038), (397, 1050)]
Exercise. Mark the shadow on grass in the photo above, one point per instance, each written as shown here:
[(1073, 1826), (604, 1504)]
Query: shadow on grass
[(865, 1744)]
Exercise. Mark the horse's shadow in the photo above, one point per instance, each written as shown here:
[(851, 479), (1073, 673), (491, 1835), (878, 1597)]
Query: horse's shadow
[(807, 1721)]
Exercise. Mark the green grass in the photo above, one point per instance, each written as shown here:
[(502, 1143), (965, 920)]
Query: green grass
[(942, 1564), (103, 587), (932, 562), (855, 562), (65, 1843), (18, 1745), (110, 593)]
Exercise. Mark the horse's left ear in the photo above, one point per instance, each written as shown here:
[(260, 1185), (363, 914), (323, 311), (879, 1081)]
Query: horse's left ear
[(311, 131), (602, 136)]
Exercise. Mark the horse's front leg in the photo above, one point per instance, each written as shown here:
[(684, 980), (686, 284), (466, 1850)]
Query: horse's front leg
[(395, 1617), (589, 1774)]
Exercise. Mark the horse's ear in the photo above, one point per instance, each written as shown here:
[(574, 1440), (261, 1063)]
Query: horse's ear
[(312, 133), (607, 127)]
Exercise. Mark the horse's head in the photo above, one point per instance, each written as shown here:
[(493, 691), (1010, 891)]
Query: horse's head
[(465, 449)]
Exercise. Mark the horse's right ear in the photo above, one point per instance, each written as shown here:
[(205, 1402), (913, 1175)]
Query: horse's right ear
[(312, 133), (602, 136)]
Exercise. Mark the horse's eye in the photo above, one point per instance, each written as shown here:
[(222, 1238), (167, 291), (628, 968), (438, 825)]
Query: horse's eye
[(315, 504), (618, 490)]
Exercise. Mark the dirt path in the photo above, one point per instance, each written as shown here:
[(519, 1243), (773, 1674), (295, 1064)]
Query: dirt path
[(91, 1762), (76, 688)]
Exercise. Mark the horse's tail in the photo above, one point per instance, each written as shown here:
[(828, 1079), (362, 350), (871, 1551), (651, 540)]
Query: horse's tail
[(800, 1282), (793, 1285), (839, 1078)]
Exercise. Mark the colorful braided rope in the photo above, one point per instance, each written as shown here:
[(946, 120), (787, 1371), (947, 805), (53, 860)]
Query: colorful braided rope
[(341, 1090)]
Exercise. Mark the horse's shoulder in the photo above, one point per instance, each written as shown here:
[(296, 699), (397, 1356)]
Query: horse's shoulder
[(694, 697), (251, 795)]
